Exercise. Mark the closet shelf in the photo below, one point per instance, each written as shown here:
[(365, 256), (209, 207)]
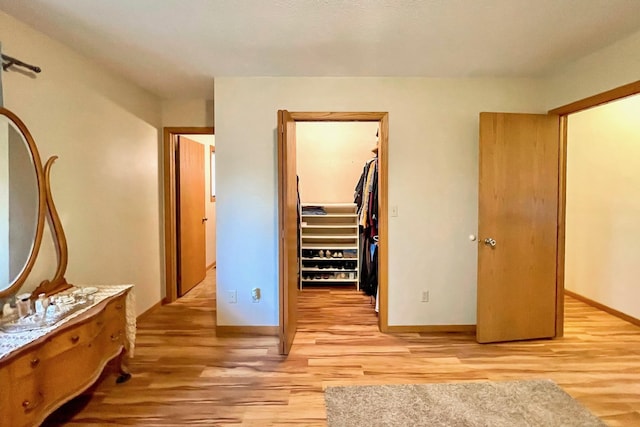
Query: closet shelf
[(332, 226), (333, 246), (336, 231), (335, 215), (329, 236), (329, 205)]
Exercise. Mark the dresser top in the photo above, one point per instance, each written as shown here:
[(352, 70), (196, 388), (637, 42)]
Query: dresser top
[(12, 342)]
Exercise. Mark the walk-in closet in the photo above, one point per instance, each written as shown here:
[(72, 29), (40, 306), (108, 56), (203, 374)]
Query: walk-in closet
[(337, 171)]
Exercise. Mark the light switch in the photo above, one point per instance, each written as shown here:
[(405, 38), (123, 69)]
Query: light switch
[(394, 210)]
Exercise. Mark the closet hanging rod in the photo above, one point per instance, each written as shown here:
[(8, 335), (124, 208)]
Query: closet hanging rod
[(13, 61)]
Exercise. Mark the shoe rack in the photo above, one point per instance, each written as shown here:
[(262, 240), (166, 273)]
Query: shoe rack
[(329, 245)]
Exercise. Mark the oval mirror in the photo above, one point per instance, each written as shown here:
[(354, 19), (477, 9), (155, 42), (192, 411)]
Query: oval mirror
[(22, 202)]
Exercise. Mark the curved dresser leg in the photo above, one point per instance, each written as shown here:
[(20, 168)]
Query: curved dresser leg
[(123, 369)]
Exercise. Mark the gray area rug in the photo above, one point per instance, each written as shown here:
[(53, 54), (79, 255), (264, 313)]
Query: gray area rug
[(537, 403)]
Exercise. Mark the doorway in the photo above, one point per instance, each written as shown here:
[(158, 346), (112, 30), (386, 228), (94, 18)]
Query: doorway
[(337, 271), (601, 266), (494, 325), (564, 112), (288, 214), (190, 212)]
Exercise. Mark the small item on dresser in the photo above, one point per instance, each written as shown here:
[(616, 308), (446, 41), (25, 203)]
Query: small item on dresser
[(87, 293), (8, 311), (321, 254), (54, 304), (23, 302), (89, 290), (39, 305), (45, 305)]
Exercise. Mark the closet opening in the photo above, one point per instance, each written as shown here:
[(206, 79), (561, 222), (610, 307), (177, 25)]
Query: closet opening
[(337, 171), (333, 220)]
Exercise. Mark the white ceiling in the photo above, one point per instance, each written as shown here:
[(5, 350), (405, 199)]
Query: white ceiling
[(175, 48)]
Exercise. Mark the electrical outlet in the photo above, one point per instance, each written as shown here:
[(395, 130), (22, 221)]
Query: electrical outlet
[(424, 297), (232, 297), (255, 295)]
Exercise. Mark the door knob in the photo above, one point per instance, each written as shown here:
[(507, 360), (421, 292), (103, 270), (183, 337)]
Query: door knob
[(204, 219), (490, 242)]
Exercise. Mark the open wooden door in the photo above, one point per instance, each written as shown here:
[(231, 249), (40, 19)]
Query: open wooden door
[(192, 215), (517, 226), (287, 229)]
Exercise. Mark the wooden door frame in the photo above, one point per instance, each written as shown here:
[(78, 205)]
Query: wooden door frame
[(169, 184), (564, 111), (383, 191)]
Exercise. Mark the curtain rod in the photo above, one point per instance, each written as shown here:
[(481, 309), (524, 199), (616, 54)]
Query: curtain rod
[(13, 61)]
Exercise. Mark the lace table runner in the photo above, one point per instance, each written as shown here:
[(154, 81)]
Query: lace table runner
[(14, 341)]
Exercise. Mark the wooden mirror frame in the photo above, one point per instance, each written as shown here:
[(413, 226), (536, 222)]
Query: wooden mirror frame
[(58, 283), (45, 206), (35, 156)]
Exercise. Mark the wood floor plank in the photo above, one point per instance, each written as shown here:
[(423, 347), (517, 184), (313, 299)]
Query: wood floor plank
[(184, 375)]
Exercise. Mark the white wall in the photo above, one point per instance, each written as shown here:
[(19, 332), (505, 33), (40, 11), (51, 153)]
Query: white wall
[(331, 156), (106, 183), (187, 112), (433, 166), (208, 141), (603, 207), (608, 68)]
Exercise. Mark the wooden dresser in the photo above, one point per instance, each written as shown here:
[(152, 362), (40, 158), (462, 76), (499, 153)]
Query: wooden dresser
[(39, 376)]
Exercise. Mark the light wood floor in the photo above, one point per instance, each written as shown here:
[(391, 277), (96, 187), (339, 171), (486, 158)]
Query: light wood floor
[(184, 375)]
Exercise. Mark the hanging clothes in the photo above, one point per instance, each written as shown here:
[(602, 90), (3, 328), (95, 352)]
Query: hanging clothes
[(366, 198), (366, 195), (299, 223), (360, 186), (372, 211), (369, 282)]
